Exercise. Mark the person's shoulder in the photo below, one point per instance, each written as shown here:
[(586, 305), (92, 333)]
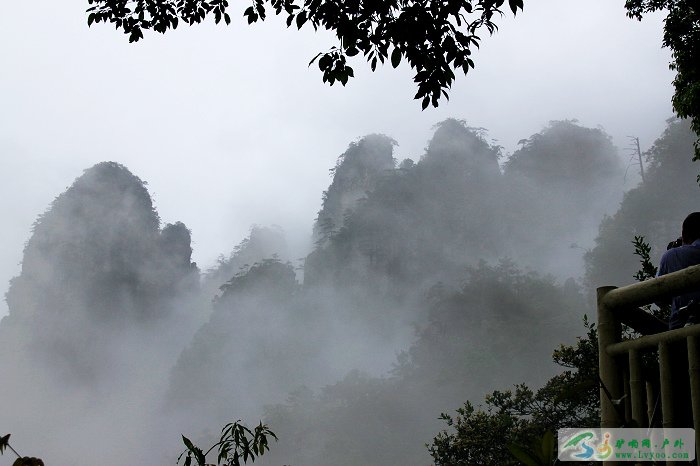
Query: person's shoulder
[(685, 250), (669, 257), (691, 250), (671, 253), (679, 258)]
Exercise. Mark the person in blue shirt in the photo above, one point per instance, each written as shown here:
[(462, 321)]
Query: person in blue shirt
[(678, 258)]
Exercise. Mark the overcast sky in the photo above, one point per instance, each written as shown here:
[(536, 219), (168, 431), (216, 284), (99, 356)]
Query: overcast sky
[(230, 127)]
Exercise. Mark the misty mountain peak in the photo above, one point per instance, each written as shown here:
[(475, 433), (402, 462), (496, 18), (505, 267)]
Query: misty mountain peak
[(454, 145), (365, 158), (263, 242), (97, 263), (356, 173), (566, 153), (103, 218)]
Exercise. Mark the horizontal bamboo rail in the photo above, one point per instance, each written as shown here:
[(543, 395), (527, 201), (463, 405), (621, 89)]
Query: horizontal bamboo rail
[(652, 341), (654, 290)]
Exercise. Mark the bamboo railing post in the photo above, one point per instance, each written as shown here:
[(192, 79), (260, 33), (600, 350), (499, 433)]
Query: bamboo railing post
[(694, 375), (651, 402), (608, 333), (637, 395), (628, 395), (665, 374)]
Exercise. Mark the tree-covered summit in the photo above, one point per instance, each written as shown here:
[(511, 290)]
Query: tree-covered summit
[(97, 264)]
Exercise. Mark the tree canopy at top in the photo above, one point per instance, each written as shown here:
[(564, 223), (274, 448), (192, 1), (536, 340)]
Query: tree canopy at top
[(682, 36), (435, 37)]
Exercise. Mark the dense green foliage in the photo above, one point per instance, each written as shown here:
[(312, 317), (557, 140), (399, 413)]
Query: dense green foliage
[(520, 416), (643, 250), (237, 442)]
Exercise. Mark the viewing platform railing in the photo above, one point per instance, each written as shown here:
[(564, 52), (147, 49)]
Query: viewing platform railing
[(632, 394)]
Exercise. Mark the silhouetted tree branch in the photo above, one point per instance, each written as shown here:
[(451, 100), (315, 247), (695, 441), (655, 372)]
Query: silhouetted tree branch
[(436, 38)]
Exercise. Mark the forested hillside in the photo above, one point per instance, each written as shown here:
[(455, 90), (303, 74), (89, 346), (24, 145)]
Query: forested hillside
[(429, 283), (98, 268), (655, 209)]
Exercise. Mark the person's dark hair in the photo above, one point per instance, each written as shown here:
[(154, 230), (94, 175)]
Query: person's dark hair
[(691, 228)]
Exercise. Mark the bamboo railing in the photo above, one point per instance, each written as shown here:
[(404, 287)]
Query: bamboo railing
[(629, 394)]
